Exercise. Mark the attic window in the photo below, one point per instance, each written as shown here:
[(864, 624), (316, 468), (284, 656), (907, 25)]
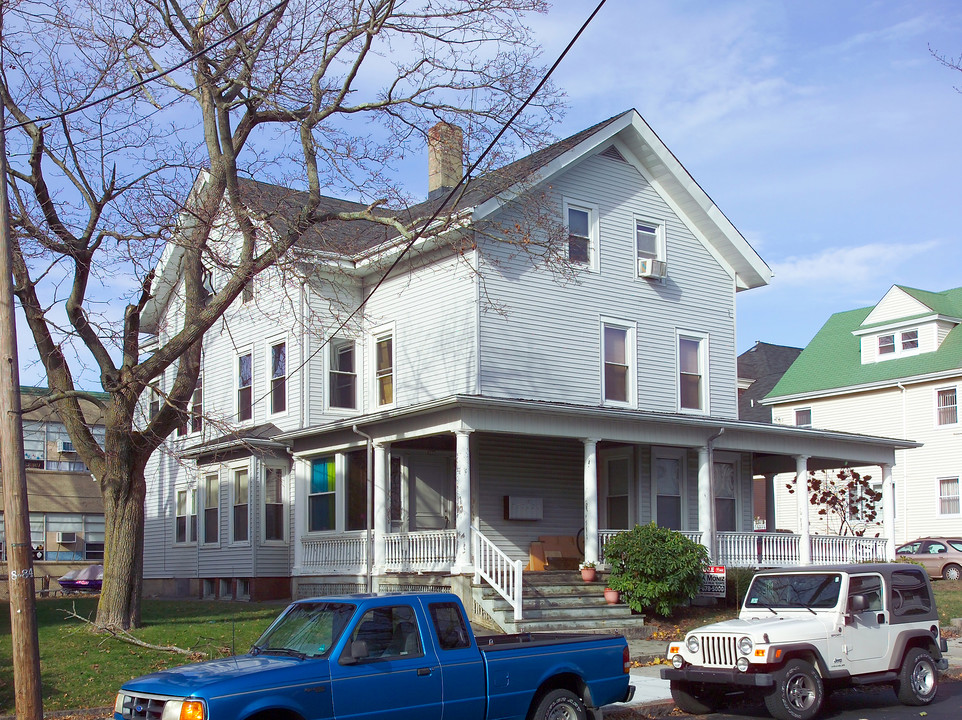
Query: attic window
[(612, 154), (892, 345)]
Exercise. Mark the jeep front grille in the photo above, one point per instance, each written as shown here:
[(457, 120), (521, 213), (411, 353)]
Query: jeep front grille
[(719, 650)]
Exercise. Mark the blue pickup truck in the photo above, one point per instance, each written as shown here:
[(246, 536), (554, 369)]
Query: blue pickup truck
[(403, 656)]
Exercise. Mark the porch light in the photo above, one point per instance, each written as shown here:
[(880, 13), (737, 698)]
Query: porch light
[(692, 643), (745, 646)]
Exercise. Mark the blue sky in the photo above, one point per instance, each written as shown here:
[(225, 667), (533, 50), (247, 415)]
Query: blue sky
[(825, 131)]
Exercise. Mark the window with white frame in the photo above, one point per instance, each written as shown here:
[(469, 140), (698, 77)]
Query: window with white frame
[(274, 526), (211, 509), (197, 407), (649, 247), (185, 516), (692, 381), (896, 344), (669, 480), (343, 375), (581, 223), (803, 417), (617, 353), (240, 496), (949, 496), (278, 377), (245, 387), (723, 484), (947, 406), (94, 535), (384, 368), (321, 507)]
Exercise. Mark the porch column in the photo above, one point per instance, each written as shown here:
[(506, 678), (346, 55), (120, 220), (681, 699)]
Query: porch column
[(888, 511), (462, 508), (801, 496), (706, 513), (591, 500), (770, 503), (381, 509)]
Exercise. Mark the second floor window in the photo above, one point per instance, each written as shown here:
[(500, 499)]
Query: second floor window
[(579, 236), (197, 408), (185, 529), (245, 389), (211, 509), (947, 406), (949, 496), (617, 370), (279, 377), (343, 376), (241, 493), (691, 374), (384, 369), (803, 417)]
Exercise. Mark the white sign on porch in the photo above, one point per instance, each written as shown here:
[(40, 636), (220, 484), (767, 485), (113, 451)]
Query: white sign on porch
[(713, 582)]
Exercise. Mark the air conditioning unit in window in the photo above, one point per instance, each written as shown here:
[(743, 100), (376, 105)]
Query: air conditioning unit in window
[(66, 538), (65, 446), (649, 267)]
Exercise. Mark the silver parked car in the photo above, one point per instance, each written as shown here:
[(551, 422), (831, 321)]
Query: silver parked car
[(941, 557)]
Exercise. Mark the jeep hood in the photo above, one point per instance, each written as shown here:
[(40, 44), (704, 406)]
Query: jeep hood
[(793, 627), (216, 677)]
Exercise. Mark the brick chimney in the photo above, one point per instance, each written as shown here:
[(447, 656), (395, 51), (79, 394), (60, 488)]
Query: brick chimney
[(445, 151)]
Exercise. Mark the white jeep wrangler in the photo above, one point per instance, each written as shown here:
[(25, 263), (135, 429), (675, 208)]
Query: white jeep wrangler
[(805, 631)]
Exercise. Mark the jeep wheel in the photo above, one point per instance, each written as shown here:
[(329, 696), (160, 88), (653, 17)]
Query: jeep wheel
[(696, 698), (951, 572), (918, 678), (798, 693)]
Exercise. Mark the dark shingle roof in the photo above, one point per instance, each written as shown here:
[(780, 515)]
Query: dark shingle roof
[(765, 364), (833, 359)]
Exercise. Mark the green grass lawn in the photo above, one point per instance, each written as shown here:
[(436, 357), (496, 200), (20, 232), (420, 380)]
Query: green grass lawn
[(80, 669)]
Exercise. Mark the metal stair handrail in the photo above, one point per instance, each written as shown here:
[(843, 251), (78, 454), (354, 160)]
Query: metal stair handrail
[(498, 570)]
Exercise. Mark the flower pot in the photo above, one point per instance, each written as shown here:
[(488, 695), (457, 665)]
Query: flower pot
[(612, 596), (589, 574)]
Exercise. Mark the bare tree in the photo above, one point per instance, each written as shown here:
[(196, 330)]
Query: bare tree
[(134, 124), (846, 500)]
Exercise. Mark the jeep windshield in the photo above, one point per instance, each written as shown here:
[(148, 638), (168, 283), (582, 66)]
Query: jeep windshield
[(305, 630), (794, 590)]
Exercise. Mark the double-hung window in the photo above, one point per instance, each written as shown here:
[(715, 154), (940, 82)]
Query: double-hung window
[(897, 344), (343, 375), (320, 498), (947, 406), (241, 506), (617, 352), (197, 407), (274, 503), (692, 379), (245, 387), (581, 224), (384, 368), (185, 524), (211, 509), (278, 377), (650, 248), (803, 417), (949, 496)]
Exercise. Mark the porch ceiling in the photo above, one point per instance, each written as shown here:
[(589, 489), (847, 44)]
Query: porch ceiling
[(774, 446)]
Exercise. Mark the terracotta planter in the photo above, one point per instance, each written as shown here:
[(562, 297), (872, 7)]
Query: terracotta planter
[(589, 574), (612, 596)]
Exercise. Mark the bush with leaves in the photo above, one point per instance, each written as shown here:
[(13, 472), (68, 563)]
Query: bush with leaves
[(655, 568)]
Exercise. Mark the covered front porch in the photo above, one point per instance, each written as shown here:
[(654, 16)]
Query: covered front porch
[(461, 488)]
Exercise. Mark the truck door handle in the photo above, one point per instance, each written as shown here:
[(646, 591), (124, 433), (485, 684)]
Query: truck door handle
[(880, 618), (424, 671)]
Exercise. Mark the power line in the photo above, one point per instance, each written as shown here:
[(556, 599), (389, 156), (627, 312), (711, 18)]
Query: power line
[(419, 232)]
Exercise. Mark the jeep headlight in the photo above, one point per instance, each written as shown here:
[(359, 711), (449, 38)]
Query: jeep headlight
[(745, 646), (692, 643)]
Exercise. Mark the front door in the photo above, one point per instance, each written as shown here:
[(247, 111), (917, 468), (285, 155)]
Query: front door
[(432, 478)]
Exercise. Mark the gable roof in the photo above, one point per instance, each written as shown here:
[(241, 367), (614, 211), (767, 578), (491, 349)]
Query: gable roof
[(764, 364), (833, 359)]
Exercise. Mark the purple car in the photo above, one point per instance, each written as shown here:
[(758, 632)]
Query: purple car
[(87, 579)]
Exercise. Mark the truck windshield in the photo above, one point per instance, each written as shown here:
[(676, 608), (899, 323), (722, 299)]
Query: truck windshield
[(819, 590), (305, 630)]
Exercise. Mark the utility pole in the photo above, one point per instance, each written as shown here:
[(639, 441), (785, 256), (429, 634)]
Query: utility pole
[(23, 601)]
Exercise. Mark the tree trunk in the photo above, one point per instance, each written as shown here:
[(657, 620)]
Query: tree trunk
[(119, 606)]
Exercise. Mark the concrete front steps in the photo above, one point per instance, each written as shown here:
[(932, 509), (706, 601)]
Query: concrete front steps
[(560, 601)]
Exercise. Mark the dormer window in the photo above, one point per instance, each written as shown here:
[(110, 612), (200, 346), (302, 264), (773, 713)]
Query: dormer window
[(910, 340), (886, 344), (898, 344)]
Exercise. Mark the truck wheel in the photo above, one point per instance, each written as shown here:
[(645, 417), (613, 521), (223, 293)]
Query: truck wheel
[(798, 693), (696, 698), (918, 678), (951, 572), (560, 705)]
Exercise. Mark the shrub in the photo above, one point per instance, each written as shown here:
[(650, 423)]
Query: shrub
[(655, 568)]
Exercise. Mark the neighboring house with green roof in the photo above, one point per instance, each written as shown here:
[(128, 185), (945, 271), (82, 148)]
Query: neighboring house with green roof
[(894, 370)]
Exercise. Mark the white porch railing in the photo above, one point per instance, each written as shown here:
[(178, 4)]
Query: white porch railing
[(342, 553), (430, 551), (605, 535), (751, 549), (498, 570)]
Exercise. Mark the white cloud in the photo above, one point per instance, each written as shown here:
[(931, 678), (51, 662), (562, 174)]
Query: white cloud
[(849, 269)]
